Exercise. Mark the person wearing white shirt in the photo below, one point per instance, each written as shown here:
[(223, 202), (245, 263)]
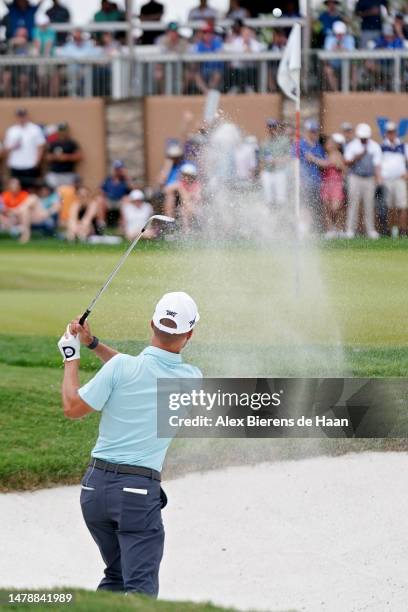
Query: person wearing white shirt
[(134, 214), (363, 157), (244, 73), (394, 172), (24, 145)]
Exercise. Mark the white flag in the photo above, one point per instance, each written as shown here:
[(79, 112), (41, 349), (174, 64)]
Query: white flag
[(290, 64)]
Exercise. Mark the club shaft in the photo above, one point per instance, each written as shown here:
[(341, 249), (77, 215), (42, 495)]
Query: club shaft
[(111, 277)]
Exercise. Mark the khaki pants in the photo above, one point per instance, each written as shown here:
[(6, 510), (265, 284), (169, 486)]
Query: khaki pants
[(360, 189), (396, 193)]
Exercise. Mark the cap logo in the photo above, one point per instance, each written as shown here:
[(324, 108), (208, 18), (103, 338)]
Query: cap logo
[(170, 313), (192, 322)]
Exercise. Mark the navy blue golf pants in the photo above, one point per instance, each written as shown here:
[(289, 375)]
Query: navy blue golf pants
[(123, 515)]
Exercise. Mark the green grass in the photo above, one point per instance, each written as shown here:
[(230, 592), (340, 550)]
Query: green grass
[(86, 601), (249, 311)]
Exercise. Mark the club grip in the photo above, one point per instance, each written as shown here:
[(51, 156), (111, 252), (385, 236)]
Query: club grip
[(84, 317)]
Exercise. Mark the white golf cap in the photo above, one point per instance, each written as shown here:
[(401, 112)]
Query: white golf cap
[(42, 20), (178, 307), (189, 169), (339, 27), (136, 194), (363, 130), (338, 138), (390, 126)]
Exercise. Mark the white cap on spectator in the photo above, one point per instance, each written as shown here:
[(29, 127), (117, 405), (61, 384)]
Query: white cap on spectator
[(363, 130), (339, 27), (388, 29), (390, 126), (174, 150), (189, 169), (179, 308), (136, 195), (338, 138), (42, 20)]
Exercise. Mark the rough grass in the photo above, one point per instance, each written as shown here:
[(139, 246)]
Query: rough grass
[(87, 601)]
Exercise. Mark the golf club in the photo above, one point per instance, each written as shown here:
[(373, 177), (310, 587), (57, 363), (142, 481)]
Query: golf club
[(120, 264)]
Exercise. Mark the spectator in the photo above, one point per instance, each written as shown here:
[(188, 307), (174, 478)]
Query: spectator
[(22, 209), (18, 79), (151, 11), (134, 213), (51, 205), (79, 47), (24, 143), (21, 14), (339, 41), (170, 172), (347, 130), (59, 14), (389, 39), (363, 158), (63, 155), (394, 173), (370, 13), (84, 216), (274, 159), (114, 188), (236, 11), (243, 75), (332, 188), (202, 12), (310, 150), (400, 27), (108, 12), (279, 41), (109, 47), (208, 75), (329, 16), (44, 37), (188, 188), (171, 41)]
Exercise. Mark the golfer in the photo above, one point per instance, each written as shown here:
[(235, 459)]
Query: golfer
[(121, 497)]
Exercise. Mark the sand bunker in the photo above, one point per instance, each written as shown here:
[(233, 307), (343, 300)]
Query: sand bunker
[(325, 534)]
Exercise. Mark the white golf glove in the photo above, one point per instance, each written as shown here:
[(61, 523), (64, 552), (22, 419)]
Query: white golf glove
[(69, 346)]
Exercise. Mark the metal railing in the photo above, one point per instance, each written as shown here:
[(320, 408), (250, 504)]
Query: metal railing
[(362, 70), (148, 71)]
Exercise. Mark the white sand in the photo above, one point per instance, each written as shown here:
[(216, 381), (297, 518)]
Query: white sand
[(325, 534)]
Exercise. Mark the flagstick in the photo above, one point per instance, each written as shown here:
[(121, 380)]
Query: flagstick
[(297, 190)]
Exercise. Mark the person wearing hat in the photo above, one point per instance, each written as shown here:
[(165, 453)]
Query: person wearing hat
[(347, 131), (24, 145), (64, 153), (121, 496), (274, 159), (363, 157), (44, 37), (134, 213), (371, 15), (338, 40), (208, 74), (394, 172), (311, 150)]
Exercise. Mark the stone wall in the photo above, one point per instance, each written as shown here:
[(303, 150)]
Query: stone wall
[(124, 136)]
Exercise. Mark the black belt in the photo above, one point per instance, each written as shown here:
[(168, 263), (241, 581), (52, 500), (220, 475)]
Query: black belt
[(123, 468)]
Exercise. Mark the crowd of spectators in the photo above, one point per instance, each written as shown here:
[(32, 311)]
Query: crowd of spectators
[(374, 24), (349, 182)]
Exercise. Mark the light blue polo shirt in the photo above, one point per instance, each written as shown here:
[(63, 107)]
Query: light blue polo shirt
[(125, 390)]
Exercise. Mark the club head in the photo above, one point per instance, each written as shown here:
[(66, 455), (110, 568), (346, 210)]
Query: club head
[(162, 218)]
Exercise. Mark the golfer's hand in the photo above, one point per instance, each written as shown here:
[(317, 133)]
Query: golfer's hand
[(82, 331), (69, 346)]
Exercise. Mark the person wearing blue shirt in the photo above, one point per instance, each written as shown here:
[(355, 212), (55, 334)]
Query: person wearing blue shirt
[(121, 497), (209, 73), (328, 17), (21, 14), (310, 174), (115, 186)]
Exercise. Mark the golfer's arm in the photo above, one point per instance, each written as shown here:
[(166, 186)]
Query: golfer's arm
[(74, 406), (104, 352)]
